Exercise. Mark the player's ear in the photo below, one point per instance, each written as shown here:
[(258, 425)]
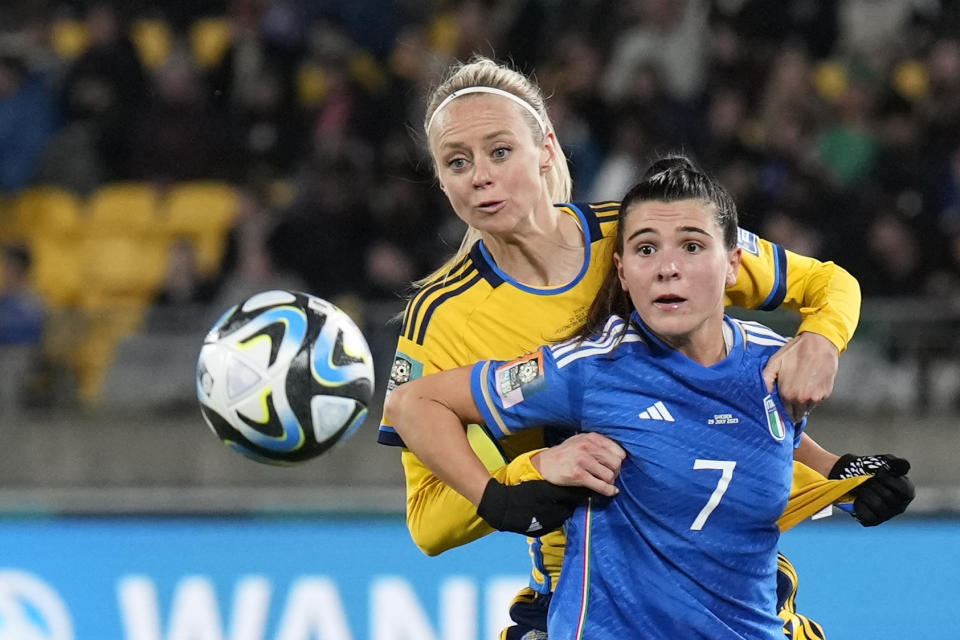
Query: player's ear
[(733, 267), (619, 265), (548, 152)]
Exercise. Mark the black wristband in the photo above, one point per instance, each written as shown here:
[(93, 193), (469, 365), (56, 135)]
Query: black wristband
[(493, 503), (532, 508)]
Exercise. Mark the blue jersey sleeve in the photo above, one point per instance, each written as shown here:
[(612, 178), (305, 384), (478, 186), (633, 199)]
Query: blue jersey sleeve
[(527, 392)]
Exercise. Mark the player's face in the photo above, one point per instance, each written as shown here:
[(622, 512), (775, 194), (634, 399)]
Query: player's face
[(488, 163), (675, 268)]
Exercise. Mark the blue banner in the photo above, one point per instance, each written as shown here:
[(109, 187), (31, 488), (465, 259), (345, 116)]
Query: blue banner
[(356, 578)]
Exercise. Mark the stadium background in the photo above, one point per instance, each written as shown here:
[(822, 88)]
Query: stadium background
[(162, 160)]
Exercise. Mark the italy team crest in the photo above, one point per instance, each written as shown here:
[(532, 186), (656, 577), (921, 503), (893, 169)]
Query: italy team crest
[(774, 421)]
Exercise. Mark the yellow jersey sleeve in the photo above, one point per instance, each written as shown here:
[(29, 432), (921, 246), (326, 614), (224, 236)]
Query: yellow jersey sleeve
[(811, 492), (411, 361), (438, 517), (825, 294)]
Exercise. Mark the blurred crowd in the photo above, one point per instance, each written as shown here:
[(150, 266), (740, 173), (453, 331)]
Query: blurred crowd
[(836, 123)]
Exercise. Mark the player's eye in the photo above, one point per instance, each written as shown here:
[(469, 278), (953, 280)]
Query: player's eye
[(646, 249), (501, 153), (692, 247), (457, 164)]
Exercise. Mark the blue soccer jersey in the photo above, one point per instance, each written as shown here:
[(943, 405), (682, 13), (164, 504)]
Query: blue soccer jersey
[(688, 548)]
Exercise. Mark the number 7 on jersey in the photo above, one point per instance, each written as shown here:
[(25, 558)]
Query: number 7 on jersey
[(726, 468)]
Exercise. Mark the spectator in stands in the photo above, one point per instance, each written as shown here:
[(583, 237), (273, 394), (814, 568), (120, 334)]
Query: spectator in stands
[(179, 306), (251, 263), (106, 87), (670, 35), (22, 320), (179, 135), (27, 120)]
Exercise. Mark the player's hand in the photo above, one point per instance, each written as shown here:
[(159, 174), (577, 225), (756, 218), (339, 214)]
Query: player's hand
[(804, 370), (885, 495), (532, 508), (588, 460)]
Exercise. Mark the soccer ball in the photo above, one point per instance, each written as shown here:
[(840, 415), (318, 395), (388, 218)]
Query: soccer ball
[(284, 376)]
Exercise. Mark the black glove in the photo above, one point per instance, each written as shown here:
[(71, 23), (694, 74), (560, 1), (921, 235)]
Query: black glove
[(532, 508), (883, 496)]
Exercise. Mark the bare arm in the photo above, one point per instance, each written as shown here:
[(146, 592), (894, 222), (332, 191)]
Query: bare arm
[(814, 456), (429, 414)]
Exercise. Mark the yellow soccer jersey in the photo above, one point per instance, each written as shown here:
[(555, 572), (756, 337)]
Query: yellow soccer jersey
[(476, 311)]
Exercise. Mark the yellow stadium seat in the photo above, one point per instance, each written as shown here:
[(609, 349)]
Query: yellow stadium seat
[(94, 351), (121, 275), (47, 212), (121, 270), (55, 271), (209, 40), (203, 212), (123, 208), (69, 38), (153, 39)]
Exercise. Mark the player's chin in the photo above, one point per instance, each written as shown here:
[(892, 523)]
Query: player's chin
[(669, 323)]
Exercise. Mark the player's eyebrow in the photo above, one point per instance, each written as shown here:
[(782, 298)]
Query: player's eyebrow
[(456, 144), (654, 231)]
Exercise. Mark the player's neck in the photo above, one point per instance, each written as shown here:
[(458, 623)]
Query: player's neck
[(547, 251), (706, 345)]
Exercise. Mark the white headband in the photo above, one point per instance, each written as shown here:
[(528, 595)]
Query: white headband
[(497, 92)]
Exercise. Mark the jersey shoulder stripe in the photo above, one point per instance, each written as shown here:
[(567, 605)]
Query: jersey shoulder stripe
[(605, 208), (615, 333), (594, 214), (759, 334), (450, 293), (779, 290), (607, 211), (428, 288), (423, 305)]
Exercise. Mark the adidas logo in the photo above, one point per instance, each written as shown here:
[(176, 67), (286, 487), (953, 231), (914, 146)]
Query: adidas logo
[(534, 525), (656, 411)]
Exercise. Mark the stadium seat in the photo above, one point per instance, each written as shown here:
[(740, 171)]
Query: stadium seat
[(121, 270), (209, 40), (123, 208), (121, 275), (153, 39), (202, 212), (45, 212), (56, 272), (69, 37), (93, 352)]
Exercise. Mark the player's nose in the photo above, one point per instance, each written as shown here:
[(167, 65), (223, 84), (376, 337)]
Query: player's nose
[(482, 173), (668, 269)]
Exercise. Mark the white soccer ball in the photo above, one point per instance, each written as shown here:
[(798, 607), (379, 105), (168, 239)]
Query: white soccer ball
[(283, 376)]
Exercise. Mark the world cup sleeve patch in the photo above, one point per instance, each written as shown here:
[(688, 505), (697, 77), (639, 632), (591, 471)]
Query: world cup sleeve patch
[(748, 241), (520, 378), (404, 369)]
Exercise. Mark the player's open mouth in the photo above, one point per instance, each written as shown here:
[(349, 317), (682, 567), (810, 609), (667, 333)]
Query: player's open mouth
[(492, 206), (669, 301)]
